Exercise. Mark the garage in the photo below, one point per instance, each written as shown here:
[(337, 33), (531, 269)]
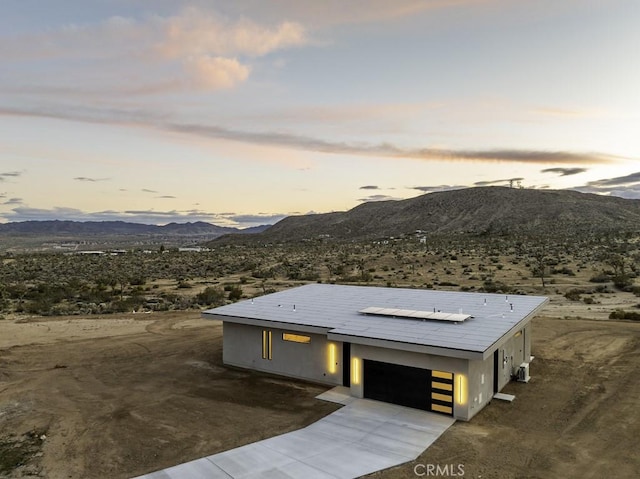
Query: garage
[(409, 386), (402, 385)]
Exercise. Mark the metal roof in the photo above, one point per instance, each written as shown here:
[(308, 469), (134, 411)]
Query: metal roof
[(335, 309), (412, 314)]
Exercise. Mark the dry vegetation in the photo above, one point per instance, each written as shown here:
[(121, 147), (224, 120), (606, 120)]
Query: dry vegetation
[(594, 276), (101, 393)]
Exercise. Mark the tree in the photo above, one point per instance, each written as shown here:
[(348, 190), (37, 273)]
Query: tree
[(540, 267)]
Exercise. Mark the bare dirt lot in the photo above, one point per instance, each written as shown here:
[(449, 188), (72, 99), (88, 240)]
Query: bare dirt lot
[(119, 405), (118, 396)]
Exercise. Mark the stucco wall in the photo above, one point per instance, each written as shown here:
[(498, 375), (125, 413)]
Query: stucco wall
[(515, 351), (242, 347), (480, 384)]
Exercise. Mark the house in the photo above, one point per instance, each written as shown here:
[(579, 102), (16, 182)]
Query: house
[(442, 351)]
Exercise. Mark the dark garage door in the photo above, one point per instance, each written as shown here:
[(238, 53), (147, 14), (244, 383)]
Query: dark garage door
[(408, 386), (403, 385)]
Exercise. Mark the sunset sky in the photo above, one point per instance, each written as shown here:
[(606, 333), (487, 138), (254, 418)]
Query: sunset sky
[(242, 112)]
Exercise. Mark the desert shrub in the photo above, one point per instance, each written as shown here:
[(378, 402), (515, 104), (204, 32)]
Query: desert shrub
[(210, 297), (564, 270), (573, 295), (623, 282), (235, 293), (621, 314), (495, 287), (600, 278), (588, 300)]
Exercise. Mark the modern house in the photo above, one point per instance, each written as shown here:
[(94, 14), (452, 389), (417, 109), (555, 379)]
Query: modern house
[(441, 351)]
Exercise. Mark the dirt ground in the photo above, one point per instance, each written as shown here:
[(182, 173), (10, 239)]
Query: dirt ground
[(118, 405), (119, 396)]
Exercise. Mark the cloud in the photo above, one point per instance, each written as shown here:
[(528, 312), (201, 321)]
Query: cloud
[(388, 150), (90, 180), (496, 182), (257, 220), (9, 174), (195, 48), (196, 32), (306, 143), (374, 198), (370, 187), (145, 190), (631, 179), (565, 171), (432, 189), (166, 197), (12, 201), (627, 186), (329, 13), (216, 73)]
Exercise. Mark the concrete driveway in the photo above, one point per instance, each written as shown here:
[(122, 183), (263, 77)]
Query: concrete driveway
[(362, 437)]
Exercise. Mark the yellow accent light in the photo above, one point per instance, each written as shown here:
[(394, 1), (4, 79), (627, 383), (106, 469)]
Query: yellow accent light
[(355, 371), (462, 389), (444, 386), (439, 408), (441, 397), (264, 345), (296, 338), (441, 374), (331, 359), (270, 343)]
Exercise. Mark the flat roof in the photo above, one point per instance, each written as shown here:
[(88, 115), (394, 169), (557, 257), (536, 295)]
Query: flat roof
[(336, 310)]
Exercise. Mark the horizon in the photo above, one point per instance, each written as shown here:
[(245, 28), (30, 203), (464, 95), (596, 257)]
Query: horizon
[(271, 224), (242, 113)]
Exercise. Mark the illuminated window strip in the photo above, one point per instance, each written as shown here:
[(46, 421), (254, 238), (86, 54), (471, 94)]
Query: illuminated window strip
[(266, 344), (446, 387), (441, 397), (296, 338), (442, 374), (439, 408)]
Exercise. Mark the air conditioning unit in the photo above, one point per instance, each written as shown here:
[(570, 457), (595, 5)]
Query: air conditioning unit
[(523, 373)]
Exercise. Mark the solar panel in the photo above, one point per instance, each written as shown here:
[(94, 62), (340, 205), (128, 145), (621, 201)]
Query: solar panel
[(413, 314)]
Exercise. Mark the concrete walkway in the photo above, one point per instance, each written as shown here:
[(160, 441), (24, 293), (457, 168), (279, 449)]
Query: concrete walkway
[(362, 437)]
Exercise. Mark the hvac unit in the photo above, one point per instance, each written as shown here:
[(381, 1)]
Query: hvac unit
[(523, 373)]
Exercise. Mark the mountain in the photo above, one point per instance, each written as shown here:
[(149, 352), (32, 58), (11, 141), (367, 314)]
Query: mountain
[(117, 228), (475, 211)]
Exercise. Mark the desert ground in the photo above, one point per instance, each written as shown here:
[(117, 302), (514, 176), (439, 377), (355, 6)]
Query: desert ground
[(121, 395)]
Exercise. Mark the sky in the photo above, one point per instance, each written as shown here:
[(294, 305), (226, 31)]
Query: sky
[(242, 112)]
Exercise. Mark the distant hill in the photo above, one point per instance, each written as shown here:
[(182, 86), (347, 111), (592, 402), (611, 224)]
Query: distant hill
[(476, 211), (116, 228)]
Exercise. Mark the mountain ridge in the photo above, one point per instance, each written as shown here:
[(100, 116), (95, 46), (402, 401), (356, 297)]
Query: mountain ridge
[(489, 210), (69, 227)]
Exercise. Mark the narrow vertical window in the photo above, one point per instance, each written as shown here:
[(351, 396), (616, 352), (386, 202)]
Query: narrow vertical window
[(266, 344)]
